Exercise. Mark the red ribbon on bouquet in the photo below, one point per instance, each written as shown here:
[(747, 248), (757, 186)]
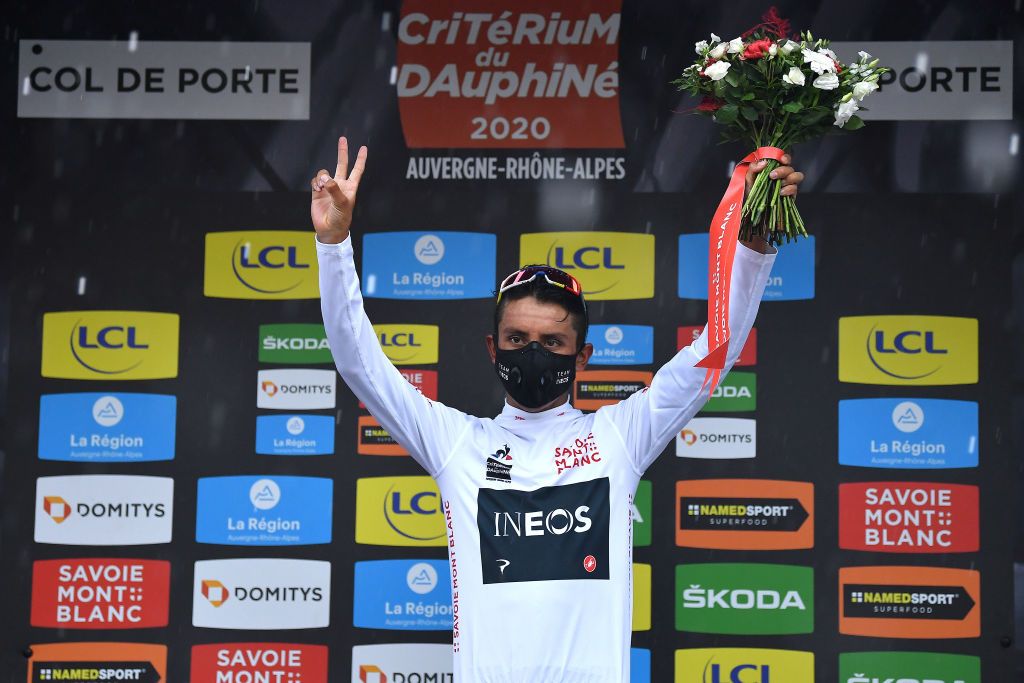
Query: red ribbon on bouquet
[(725, 228)]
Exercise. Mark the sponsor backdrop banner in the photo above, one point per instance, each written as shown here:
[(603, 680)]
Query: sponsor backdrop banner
[(840, 506)]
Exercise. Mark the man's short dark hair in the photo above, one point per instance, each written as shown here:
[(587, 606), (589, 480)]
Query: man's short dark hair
[(544, 292)]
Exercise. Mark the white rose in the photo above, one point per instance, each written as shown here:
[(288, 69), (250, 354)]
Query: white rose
[(864, 56), (820, 64), (736, 45), (789, 46), (863, 89), (718, 51), (845, 111), (829, 53), (794, 77), (700, 46), (715, 39), (826, 82), (773, 50), (717, 71)]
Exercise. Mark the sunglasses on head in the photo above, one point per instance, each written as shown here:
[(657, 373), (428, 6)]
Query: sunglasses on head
[(553, 276)]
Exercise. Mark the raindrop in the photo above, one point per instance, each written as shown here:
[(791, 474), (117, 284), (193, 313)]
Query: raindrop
[(133, 41), (385, 21), (81, 286)]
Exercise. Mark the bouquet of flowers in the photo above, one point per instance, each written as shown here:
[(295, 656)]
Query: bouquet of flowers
[(769, 90)]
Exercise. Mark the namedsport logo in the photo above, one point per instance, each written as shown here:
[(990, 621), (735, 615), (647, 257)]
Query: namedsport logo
[(400, 511), (609, 265), (110, 345), (74, 662), (745, 514), (261, 264), (409, 344), (908, 349), (909, 602)]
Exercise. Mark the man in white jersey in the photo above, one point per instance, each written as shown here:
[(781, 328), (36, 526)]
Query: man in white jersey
[(537, 501)]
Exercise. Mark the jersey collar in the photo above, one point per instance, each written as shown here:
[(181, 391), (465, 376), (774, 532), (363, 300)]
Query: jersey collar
[(515, 415)]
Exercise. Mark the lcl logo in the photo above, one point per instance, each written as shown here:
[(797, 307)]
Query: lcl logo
[(264, 260), (587, 258), (110, 337), (401, 339)]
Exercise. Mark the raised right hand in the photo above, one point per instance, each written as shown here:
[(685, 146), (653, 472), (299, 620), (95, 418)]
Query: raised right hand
[(334, 198)]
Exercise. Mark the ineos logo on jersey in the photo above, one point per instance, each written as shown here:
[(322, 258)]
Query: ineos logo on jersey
[(548, 534), (261, 594), (102, 509)]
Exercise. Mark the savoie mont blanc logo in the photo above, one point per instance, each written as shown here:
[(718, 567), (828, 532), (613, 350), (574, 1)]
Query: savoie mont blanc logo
[(98, 427), (110, 345), (908, 349), (428, 265), (261, 264), (609, 265)]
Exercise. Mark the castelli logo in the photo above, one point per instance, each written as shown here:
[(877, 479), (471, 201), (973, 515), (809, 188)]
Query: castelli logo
[(590, 563), (269, 388), (57, 508), (215, 591)]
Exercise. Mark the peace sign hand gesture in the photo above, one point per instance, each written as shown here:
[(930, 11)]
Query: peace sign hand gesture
[(335, 198)]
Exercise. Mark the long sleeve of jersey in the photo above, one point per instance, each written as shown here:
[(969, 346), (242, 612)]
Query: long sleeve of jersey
[(649, 420), (425, 428)]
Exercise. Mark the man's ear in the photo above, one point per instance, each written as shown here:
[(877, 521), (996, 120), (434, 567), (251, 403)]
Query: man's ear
[(583, 357), (489, 339)]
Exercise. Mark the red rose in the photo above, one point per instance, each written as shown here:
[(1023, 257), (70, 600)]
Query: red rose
[(757, 49), (839, 69), (710, 103)]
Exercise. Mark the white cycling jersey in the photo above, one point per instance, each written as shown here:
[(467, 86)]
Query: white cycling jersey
[(537, 505)]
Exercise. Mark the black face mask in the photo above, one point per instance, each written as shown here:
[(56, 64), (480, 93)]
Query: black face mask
[(533, 375)]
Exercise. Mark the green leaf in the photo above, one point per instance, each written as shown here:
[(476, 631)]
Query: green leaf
[(854, 123), (748, 96), (732, 78), (749, 113), (727, 114), (792, 107)]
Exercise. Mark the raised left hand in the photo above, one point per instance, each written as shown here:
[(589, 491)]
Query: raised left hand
[(790, 179)]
